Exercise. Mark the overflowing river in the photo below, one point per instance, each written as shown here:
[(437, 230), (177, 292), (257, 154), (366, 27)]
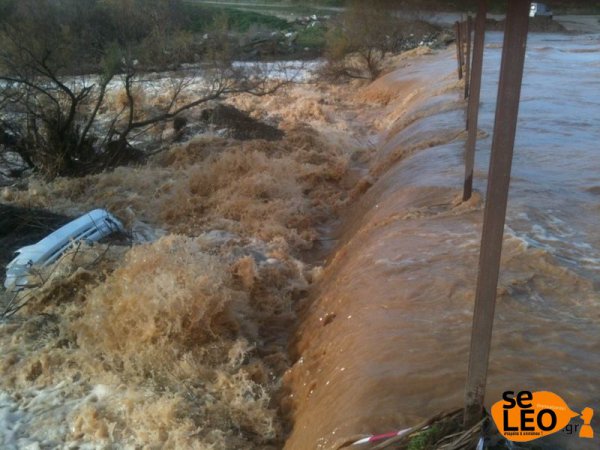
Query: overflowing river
[(385, 342)]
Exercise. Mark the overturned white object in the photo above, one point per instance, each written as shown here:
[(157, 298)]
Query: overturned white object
[(90, 227)]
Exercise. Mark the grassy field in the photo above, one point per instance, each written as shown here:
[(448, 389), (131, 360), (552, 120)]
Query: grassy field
[(201, 18), (283, 10)]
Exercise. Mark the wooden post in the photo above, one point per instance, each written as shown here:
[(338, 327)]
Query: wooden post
[(457, 30), (507, 109), (474, 98), (468, 32)]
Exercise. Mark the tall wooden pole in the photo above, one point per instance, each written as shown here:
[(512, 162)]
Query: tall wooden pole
[(458, 32), (468, 33), (507, 109), (474, 98)]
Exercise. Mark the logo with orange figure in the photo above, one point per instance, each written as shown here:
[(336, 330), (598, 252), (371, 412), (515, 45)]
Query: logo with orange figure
[(587, 432), (527, 416)]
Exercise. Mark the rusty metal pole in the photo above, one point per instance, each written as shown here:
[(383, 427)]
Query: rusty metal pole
[(507, 109), (457, 30), (468, 32), (474, 98)]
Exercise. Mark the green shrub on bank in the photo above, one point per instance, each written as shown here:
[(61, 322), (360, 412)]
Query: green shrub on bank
[(312, 37)]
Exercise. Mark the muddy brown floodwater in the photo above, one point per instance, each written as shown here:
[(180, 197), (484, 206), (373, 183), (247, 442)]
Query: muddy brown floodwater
[(182, 341), (384, 343)]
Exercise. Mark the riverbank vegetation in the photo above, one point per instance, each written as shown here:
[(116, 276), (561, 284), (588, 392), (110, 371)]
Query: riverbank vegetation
[(59, 61), (72, 73)]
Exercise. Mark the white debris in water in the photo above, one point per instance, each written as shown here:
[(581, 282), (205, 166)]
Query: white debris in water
[(42, 417)]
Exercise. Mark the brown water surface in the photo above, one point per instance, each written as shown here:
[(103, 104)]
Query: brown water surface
[(384, 344)]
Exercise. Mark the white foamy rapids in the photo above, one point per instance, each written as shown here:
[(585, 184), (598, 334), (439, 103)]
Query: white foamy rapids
[(41, 417)]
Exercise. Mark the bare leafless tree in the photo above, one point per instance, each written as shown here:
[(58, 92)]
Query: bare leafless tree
[(49, 108), (360, 40)]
